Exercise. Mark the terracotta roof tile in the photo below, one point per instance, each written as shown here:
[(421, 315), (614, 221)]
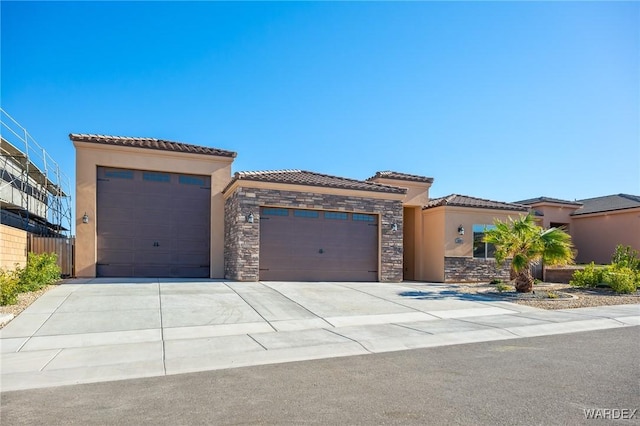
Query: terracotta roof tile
[(401, 176), (608, 203), (150, 143), (467, 201), (547, 200), (302, 177)]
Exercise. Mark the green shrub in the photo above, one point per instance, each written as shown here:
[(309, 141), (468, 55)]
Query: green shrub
[(621, 279), (626, 257), (502, 287), (496, 281), (590, 276), (552, 295), (8, 287), (41, 270)]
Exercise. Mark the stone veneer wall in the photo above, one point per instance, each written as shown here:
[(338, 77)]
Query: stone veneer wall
[(471, 269), (242, 239)]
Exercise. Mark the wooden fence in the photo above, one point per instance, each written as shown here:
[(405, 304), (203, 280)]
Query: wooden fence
[(63, 247)]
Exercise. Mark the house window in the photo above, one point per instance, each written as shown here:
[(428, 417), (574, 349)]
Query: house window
[(119, 174), (272, 211), (156, 177), (335, 215), (306, 213), (480, 248), (364, 217), (191, 180), (564, 226)]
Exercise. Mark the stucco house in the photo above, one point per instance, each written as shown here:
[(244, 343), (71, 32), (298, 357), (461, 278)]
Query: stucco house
[(596, 225), (154, 208)]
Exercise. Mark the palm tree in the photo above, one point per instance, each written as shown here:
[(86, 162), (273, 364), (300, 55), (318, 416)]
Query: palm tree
[(526, 244)]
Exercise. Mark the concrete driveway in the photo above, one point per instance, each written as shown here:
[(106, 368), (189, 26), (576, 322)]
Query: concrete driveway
[(109, 329)]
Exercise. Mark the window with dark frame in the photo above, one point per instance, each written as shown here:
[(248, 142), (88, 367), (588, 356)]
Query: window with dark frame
[(335, 215), (313, 214), (156, 177), (364, 217), (482, 250), (274, 211)]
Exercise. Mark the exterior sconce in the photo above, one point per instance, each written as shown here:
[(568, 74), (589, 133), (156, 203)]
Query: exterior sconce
[(394, 227), (249, 217), (460, 230), (85, 218)]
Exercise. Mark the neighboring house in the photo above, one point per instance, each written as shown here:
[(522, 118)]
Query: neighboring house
[(597, 225), (154, 208)]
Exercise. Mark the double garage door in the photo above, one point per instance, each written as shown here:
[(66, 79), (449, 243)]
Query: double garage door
[(313, 245), (152, 224)]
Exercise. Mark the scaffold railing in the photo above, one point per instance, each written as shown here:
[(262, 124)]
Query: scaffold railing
[(39, 191)]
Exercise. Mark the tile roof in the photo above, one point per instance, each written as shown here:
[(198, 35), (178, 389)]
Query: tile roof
[(467, 201), (302, 177), (547, 200), (608, 203), (401, 176), (150, 143)]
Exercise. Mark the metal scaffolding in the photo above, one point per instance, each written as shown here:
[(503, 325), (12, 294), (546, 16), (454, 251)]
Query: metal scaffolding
[(34, 192)]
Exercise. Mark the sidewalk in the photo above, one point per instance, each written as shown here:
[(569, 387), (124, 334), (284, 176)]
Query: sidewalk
[(102, 330)]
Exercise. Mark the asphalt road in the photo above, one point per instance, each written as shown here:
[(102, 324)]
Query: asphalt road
[(544, 380)]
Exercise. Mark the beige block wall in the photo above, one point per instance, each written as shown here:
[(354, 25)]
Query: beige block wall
[(90, 155), (13, 247), (596, 236)]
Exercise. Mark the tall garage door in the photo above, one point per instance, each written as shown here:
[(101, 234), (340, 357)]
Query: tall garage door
[(312, 245), (152, 224)]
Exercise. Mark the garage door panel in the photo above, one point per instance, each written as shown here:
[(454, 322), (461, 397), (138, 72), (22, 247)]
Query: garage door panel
[(154, 257), (114, 270), (150, 271), (149, 224), (115, 243), (193, 259), (109, 256), (331, 247)]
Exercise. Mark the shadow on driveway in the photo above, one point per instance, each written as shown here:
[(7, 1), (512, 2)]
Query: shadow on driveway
[(445, 294)]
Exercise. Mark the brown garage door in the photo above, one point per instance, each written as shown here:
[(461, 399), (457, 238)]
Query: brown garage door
[(311, 245), (152, 224)]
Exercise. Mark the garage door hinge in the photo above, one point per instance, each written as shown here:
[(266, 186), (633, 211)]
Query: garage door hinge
[(264, 269), (373, 271)]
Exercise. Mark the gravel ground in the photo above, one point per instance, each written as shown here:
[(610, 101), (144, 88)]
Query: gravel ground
[(570, 297)]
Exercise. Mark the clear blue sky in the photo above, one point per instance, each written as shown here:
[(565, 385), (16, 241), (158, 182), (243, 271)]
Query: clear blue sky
[(505, 100)]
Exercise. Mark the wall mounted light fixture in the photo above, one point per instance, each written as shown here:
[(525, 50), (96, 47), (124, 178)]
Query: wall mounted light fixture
[(249, 217), (460, 230), (85, 218), (394, 227)]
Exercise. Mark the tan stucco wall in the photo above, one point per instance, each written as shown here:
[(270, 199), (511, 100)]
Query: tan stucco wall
[(417, 192), (467, 217), (596, 236), (440, 233), (13, 247), (90, 155), (556, 214), (431, 263)]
